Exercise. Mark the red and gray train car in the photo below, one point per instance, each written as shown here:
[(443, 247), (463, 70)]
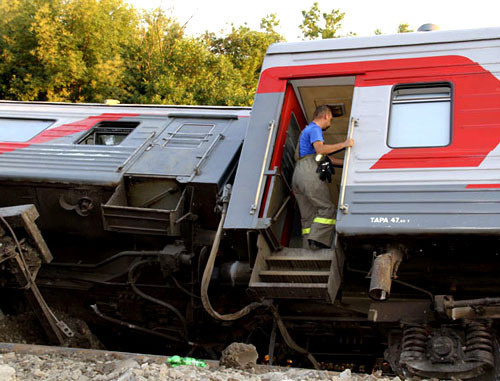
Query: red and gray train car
[(412, 275)]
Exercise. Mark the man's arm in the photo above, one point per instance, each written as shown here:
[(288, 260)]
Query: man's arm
[(325, 149), (336, 161)]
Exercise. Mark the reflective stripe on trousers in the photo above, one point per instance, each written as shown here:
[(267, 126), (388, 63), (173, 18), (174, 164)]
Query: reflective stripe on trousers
[(326, 221)]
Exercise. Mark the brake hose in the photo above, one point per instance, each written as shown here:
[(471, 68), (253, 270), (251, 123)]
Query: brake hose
[(207, 273)]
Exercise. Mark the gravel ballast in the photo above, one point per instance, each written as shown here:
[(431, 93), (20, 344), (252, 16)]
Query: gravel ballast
[(32, 362)]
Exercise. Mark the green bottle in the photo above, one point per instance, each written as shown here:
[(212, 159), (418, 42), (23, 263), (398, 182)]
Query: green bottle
[(178, 360)]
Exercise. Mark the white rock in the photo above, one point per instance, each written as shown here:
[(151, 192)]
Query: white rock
[(275, 376), (9, 356), (345, 375), (127, 376), (239, 356), (125, 365), (39, 373), (7, 373)]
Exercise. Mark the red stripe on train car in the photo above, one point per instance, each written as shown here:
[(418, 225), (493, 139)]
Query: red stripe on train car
[(476, 114), (63, 130), (482, 186)]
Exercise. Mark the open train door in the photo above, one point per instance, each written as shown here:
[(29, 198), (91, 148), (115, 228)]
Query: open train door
[(340, 94), (276, 211), (283, 268)]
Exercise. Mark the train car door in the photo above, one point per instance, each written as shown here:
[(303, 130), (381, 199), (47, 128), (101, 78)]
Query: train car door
[(277, 202), (337, 93), (301, 99)]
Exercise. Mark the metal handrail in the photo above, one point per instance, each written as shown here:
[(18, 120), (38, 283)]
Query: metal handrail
[(253, 208), (152, 135), (344, 207)]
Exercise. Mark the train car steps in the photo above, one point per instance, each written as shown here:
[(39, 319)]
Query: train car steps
[(296, 273)]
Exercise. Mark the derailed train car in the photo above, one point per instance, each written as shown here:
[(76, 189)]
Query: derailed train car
[(143, 207), (126, 196)]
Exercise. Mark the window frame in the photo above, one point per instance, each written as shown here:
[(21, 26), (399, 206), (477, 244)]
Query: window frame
[(421, 85), (51, 121), (127, 125)]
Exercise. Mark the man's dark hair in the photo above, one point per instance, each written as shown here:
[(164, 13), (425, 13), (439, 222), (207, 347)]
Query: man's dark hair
[(321, 111)]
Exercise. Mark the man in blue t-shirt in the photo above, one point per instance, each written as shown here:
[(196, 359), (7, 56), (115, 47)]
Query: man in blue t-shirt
[(313, 197)]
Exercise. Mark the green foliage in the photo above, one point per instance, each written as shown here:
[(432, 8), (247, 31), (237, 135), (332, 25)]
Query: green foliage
[(321, 25), (270, 23), (60, 50), (174, 69), (404, 28), (377, 32), (245, 49), (91, 50)]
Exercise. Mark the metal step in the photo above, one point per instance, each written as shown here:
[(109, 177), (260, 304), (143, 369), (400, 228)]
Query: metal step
[(292, 273), (283, 262), (300, 259), (294, 276), (291, 290)]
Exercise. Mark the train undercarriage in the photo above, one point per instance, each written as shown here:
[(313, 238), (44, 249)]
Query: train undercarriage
[(148, 300)]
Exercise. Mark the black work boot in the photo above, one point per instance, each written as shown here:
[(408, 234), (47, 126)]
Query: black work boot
[(315, 245)]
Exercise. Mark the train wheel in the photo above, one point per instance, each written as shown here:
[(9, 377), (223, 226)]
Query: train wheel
[(442, 353)]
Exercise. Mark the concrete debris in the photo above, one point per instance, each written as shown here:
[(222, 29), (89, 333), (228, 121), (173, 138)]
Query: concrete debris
[(239, 356)]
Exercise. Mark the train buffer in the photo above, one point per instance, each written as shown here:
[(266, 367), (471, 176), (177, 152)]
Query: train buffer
[(296, 273)]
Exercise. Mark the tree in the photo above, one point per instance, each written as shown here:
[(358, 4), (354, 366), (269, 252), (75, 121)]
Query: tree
[(246, 48), (270, 23), (172, 68), (377, 32), (59, 50), (321, 25), (404, 28), (90, 50)]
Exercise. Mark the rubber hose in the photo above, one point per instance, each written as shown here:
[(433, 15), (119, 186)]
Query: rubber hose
[(170, 307), (207, 275), (289, 341)]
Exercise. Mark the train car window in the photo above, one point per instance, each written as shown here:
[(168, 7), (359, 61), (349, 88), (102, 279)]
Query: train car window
[(21, 130), (420, 116), (108, 133)]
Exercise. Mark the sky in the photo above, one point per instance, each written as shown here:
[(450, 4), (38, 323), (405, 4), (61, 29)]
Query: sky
[(362, 16)]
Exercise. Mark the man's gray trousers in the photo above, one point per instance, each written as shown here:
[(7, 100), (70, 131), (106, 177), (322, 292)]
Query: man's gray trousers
[(316, 208)]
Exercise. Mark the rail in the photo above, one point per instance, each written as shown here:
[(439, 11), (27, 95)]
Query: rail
[(344, 207), (152, 135), (253, 208)]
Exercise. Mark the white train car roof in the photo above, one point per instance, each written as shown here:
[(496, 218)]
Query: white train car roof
[(385, 41)]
